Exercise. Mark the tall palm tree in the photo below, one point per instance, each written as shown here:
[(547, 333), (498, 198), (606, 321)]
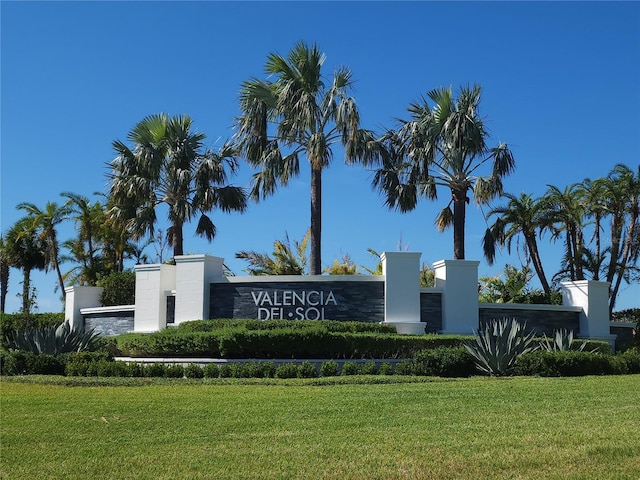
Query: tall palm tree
[(45, 221), (566, 213), (88, 218), (25, 250), (442, 145), (522, 215), (297, 114), (624, 207), (167, 165)]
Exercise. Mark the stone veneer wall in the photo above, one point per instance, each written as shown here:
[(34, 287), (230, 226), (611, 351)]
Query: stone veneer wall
[(109, 324), (354, 300), (431, 311), (543, 320)]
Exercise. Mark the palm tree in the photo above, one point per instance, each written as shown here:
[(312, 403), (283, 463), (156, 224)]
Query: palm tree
[(286, 260), (565, 213), (444, 145), (522, 215), (45, 222), (624, 206), (167, 165), (88, 218), (308, 118), (25, 250)]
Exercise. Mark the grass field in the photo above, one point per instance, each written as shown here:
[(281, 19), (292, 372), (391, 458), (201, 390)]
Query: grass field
[(478, 428)]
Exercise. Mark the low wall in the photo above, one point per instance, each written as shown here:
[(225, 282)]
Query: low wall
[(431, 309), (109, 321), (625, 333), (543, 319), (325, 298)]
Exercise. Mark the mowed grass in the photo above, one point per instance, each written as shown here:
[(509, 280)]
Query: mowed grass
[(478, 428)]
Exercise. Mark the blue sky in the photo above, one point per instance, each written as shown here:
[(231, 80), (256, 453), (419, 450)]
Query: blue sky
[(561, 86)]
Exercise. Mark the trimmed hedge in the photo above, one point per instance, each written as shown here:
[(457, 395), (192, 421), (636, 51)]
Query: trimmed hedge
[(573, 364)]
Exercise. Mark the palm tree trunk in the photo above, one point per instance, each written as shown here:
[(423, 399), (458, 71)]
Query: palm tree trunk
[(315, 262), (26, 287), (178, 239), (4, 288), (532, 245), (459, 212)]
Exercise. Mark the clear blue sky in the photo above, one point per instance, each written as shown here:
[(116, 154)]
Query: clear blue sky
[(561, 85)]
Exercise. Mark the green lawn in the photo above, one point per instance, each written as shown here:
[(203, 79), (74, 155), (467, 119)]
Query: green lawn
[(536, 428)]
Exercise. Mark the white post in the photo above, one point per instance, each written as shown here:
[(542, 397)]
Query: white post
[(194, 274), (593, 298), (401, 271), (459, 281), (153, 284), (80, 297)]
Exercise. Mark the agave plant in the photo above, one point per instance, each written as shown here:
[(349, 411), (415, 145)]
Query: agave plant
[(562, 341), (497, 348), (52, 340)]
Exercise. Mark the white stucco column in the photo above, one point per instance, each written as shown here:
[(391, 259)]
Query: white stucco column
[(401, 271), (459, 281), (153, 284), (194, 273), (593, 298), (77, 298)]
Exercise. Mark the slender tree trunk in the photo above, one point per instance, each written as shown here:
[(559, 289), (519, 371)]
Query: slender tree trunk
[(532, 244), (459, 213), (26, 287), (4, 288), (315, 262), (178, 239)]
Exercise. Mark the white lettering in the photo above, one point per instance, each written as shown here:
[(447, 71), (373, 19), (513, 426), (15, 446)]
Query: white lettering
[(256, 298)]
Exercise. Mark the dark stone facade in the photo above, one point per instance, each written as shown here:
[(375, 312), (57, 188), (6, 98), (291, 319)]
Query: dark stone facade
[(109, 324), (329, 300), (431, 311), (544, 322)]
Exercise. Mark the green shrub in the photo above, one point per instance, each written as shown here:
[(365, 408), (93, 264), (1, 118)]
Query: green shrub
[(287, 370), (385, 369), (444, 362), (119, 288), (349, 368), (225, 371), (174, 371), (307, 370), (154, 370), (10, 322), (498, 345), (632, 359), (329, 368), (193, 370), (368, 368), (211, 370), (569, 364), (405, 368)]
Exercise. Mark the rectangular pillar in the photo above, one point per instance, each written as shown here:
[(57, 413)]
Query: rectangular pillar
[(459, 281), (80, 297), (401, 271), (593, 298), (194, 273), (153, 284)]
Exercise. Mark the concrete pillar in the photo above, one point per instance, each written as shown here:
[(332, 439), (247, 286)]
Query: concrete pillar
[(401, 271), (459, 281), (593, 298), (153, 284), (77, 298), (194, 273)]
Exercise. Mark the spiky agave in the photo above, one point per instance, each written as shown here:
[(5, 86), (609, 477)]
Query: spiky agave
[(497, 347), (51, 339)]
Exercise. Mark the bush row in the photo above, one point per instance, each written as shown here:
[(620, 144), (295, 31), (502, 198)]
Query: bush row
[(287, 343), (442, 362), (249, 324), (279, 343)]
